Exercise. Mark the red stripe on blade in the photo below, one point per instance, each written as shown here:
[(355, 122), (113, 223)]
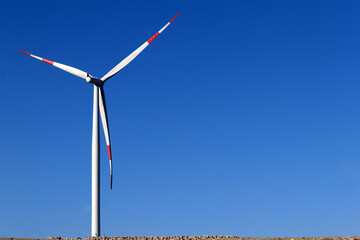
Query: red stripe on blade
[(174, 18), (47, 61), (153, 37), (109, 150), (25, 52)]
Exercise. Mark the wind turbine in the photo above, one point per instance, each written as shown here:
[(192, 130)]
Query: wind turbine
[(99, 104)]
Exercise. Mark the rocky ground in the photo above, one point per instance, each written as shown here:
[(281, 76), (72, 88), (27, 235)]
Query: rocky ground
[(187, 238)]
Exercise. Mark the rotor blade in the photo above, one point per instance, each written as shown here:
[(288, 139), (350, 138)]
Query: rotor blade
[(131, 57), (66, 68), (103, 114)]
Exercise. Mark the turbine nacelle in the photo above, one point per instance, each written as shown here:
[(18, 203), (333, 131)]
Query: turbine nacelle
[(94, 80)]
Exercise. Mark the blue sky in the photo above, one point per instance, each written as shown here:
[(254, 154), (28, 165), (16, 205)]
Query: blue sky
[(242, 118)]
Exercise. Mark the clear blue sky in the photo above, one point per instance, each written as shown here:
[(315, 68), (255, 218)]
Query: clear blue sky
[(242, 118)]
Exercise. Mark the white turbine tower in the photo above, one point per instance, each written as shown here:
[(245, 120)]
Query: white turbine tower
[(99, 104)]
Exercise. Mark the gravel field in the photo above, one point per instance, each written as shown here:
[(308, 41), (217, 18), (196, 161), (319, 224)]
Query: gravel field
[(188, 238)]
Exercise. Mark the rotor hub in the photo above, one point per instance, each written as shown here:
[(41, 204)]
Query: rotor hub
[(95, 81)]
